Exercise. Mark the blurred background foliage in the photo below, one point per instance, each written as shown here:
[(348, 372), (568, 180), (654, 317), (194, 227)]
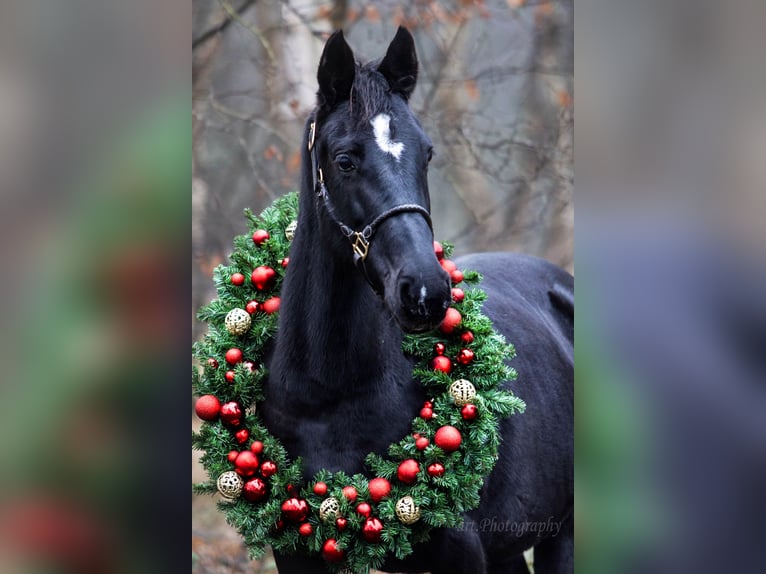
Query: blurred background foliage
[(495, 94)]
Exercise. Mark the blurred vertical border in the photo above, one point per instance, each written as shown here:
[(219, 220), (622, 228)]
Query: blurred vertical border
[(94, 139)]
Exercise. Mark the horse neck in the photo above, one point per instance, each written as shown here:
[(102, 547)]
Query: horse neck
[(333, 331)]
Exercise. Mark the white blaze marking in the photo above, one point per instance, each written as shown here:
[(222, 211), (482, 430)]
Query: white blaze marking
[(381, 127), (423, 294)]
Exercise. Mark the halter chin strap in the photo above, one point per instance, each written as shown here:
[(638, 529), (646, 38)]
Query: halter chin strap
[(360, 240)]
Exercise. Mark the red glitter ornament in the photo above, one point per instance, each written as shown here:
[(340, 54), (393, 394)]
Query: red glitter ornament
[(435, 469), (295, 509), (441, 363), (448, 438), (320, 488), (252, 306), (467, 337), (242, 435), (349, 492), (231, 414), (465, 356), (438, 250), (237, 279), (212, 363), (271, 305), (364, 509), (451, 320), (246, 463), (341, 523), (408, 471), (305, 529), (259, 236), (379, 488), (255, 490), (230, 375), (263, 277), (233, 356), (268, 468), (331, 552), (469, 412), (207, 407), (372, 529)]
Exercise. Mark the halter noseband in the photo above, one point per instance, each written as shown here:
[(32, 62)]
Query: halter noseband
[(360, 240)]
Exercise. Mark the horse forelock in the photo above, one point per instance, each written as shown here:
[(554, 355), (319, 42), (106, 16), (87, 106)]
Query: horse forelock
[(370, 94)]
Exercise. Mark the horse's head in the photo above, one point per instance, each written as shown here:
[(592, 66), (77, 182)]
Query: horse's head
[(370, 166)]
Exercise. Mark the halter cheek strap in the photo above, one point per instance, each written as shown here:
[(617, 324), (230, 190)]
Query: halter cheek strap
[(360, 240)]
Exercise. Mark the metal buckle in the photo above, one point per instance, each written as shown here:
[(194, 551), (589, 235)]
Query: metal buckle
[(312, 135), (360, 246)]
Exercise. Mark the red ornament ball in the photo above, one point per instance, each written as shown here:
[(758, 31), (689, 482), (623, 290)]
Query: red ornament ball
[(465, 356), (451, 320), (237, 279), (268, 468), (457, 294), (441, 363), (279, 525), (242, 435), (231, 414), (448, 265), (379, 489), (263, 277), (440, 348), (341, 523), (229, 376), (426, 413), (233, 356), (469, 412), (435, 469), (285, 262), (291, 490), (212, 363), (448, 438), (271, 305), (255, 490), (372, 529), (305, 529), (246, 463), (331, 552), (364, 509), (456, 276), (256, 447), (295, 509), (232, 456), (467, 337), (349, 492), (252, 306), (408, 471), (438, 250), (320, 488), (259, 236), (207, 407), (422, 443), (428, 405)]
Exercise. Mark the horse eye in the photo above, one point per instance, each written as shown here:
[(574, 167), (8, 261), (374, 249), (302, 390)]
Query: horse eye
[(430, 154), (344, 162)]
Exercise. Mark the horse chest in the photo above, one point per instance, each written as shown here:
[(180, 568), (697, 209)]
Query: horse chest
[(335, 429)]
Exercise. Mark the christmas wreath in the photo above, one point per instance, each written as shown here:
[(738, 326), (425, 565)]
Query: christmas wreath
[(427, 480)]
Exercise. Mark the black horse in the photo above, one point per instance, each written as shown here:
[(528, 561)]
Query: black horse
[(363, 272)]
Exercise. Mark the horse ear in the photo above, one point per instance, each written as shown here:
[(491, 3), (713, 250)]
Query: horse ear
[(336, 70), (400, 64)]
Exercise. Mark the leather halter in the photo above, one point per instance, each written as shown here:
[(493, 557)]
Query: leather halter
[(360, 240)]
